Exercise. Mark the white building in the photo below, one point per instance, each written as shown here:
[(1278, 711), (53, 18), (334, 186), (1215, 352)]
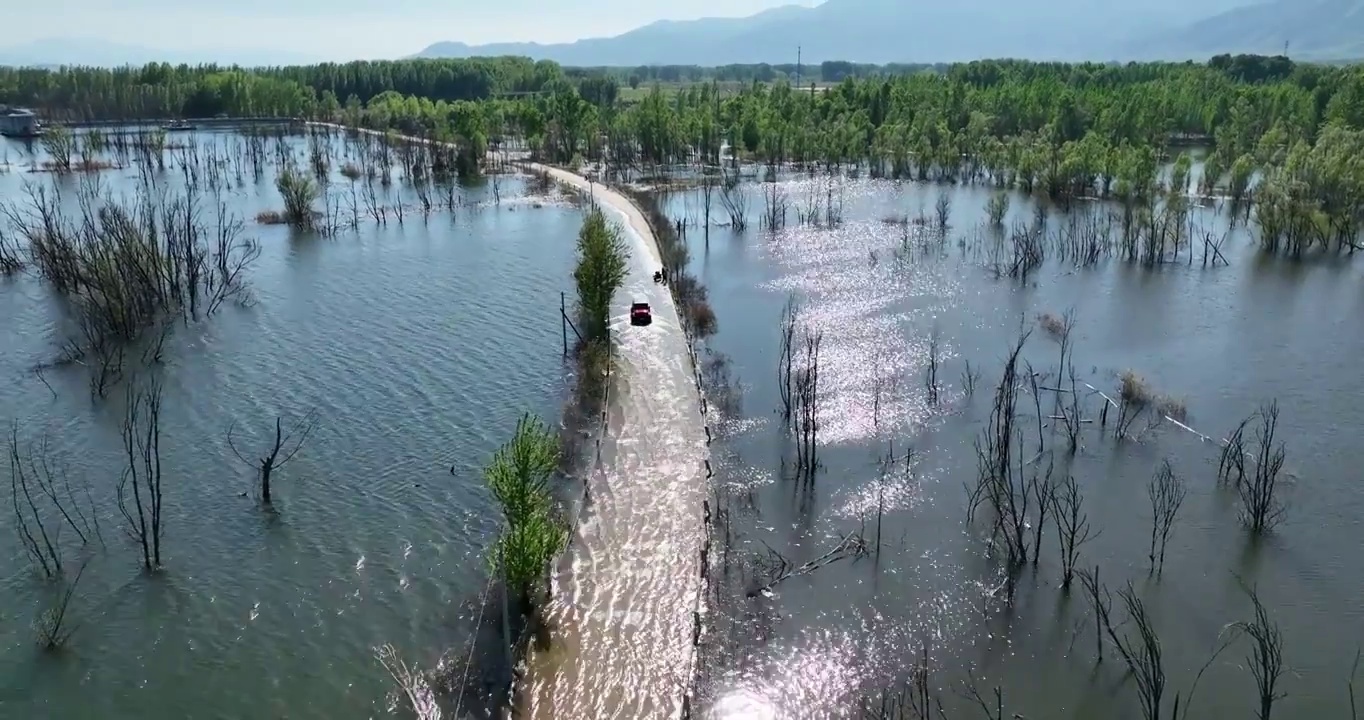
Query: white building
[(18, 122)]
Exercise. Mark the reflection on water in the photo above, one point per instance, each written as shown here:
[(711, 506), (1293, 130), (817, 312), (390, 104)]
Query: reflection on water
[(1222, 339), (398, 336)]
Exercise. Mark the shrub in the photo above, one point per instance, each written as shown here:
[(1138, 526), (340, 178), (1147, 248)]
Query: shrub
[(602, 258), (518, 477)]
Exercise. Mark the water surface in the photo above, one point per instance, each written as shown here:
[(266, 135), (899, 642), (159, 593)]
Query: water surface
[(417, 346), (1222, 339)]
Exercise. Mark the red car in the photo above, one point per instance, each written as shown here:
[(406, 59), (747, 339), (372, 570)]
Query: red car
[(640, 314)]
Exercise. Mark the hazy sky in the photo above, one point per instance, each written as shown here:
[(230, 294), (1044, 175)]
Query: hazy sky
[(345, 29)]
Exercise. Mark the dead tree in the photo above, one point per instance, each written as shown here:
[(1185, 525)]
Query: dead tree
[(918, 699), (11, 257), (45, 502), (1043, 492), (1036, 391), (993, 707), (931, 379), (1166, 491), (1266, 656), (1072, 526), (969, 378), (42, 545), (775, 206), (1067, 399), (373, 206), (879, 384), (707, 202), (887, 463), (1261, 508), (790, 315), (412, 689), (733, 200), (1143, 654), (280, 452), (943, 210), (142, 476), (1001, 482), (1071, 412), (807, 406), (1231, 467), (54, 626), (1100, 604)]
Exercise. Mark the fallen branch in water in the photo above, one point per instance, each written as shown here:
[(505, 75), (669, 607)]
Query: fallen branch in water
[(411, 684), (1224, 442), (852, 545)]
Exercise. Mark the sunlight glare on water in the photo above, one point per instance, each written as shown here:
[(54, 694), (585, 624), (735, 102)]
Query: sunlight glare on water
[(853, 283), (743, 704), (793, 683), (877, 285)]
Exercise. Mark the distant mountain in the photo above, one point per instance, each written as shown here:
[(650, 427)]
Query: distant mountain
[(877, 31), (103, 53), (666, 42), (1313, 30)]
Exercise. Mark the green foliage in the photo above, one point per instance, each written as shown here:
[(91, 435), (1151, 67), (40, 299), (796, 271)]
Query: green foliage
[(60, 145), (1066, 130), (1315, 197), (594, 362), (602, 258), (162, 90), (518, 477), (299, 192), (523, 551), (997, 208), (1214, 168)]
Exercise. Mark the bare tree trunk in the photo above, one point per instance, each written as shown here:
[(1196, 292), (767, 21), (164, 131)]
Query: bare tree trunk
[(786, 356), (283, 449), (1072, 526), (142, 447), (1265, 661), (1166, 491)]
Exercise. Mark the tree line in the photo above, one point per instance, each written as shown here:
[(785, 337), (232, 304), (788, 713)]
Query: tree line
[(162, 90), (1063, 130), (829, 71)]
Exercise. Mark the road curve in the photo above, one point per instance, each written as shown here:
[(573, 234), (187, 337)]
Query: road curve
[(623, 602)]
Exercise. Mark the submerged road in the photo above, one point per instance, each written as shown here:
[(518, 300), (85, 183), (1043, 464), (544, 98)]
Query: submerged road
[(622, 608)]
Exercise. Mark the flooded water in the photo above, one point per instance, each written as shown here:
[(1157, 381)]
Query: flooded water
[(1221, 339), (624, 598), (418, 346)]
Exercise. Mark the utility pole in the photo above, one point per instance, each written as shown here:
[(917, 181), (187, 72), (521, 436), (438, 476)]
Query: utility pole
[(799, 75)]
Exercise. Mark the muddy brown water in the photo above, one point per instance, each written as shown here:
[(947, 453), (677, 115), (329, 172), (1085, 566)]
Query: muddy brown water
[(625, 595)]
